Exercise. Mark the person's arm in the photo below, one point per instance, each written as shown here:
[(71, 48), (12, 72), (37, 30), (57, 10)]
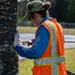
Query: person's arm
[(38, 47)]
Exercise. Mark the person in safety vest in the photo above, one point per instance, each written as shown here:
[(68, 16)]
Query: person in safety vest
[(47, 49)]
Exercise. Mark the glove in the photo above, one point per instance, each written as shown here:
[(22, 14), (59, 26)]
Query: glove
[(16, 38)]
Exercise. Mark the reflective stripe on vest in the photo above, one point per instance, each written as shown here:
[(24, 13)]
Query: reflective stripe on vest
[(53, 50), (53, 40), (55, 60)]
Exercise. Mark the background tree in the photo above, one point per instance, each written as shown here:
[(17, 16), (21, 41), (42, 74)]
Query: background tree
[(71, 11), (60, 10), (63, 10)]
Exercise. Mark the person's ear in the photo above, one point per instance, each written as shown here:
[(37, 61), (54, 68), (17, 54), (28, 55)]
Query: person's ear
[(35, 15)]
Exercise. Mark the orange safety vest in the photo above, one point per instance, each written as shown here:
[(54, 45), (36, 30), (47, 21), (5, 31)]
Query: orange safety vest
[(52, 62)]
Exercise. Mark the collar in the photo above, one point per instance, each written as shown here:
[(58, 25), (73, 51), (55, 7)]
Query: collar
[(48, 17)]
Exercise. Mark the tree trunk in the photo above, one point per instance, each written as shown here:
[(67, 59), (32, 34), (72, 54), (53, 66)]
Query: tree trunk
[(8, 23)]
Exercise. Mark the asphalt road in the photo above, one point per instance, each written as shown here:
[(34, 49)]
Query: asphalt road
[(69, 40)]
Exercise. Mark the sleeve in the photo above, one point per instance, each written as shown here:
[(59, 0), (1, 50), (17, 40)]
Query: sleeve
[(38, 47)]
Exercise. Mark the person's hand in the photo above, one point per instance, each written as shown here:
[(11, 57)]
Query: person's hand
[(16, 38), (27, 42)]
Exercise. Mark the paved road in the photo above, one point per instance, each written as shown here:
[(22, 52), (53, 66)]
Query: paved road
[(69, 39)]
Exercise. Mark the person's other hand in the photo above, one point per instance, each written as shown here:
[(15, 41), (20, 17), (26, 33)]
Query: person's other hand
[(16, 38)]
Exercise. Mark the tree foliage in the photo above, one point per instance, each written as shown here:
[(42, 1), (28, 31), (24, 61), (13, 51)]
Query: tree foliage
[(60, 10), (63, 10), (71, 11)]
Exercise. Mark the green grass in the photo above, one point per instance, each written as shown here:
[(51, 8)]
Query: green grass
[(26, 29), (69, 31), (70, 59), (26, 65), (33, 29)]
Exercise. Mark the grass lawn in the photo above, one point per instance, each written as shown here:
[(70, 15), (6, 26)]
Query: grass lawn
[(70, 59), (33, 29), (26, 29), (26, 65)]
